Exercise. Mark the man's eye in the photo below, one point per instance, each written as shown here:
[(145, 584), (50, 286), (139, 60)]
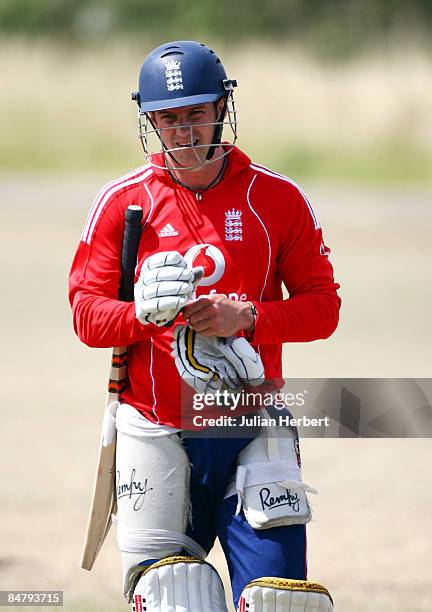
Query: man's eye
[(196, 117)]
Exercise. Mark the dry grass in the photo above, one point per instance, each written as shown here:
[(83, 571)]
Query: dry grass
[(357, 103), (67, 109)]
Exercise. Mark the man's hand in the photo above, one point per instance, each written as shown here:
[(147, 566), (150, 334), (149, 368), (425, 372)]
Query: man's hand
[(217, 315)]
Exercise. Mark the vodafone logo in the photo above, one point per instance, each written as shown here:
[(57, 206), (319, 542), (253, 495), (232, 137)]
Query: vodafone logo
[(210, 258)]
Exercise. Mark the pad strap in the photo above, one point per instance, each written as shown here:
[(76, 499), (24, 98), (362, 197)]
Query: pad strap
[(150, 541)]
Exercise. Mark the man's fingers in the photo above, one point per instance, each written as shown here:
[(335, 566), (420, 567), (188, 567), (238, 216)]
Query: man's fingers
[(196, 306), (206, 331), (203, 316)]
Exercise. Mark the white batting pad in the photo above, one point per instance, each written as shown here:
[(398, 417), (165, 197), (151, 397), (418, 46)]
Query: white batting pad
[(152, 489), (283, 595), (269, 483), (179, 584)]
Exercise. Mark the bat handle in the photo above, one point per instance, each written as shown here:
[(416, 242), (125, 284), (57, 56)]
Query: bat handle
[(198, 273)]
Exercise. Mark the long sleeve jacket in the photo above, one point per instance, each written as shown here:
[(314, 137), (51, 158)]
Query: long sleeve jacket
[(253, 232)]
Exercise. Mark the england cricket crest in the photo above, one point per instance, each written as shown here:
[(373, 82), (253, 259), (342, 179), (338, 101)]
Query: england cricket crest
[(233, 225), (173, 75)]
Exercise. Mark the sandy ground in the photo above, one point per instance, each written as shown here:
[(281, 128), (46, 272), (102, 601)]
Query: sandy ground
[(370, 540)]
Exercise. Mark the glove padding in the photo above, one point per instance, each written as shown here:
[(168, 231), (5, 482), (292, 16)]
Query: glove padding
[(210, 364), (165, 286)]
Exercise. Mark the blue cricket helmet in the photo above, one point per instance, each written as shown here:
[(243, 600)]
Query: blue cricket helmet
[(181, 73)]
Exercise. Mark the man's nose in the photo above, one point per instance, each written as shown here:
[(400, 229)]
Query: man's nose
[(183, 130)]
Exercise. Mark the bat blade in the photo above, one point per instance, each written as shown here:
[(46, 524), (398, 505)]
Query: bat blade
[(103, 497)]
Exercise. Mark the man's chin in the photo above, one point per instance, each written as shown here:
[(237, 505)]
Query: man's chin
[(188, 161)]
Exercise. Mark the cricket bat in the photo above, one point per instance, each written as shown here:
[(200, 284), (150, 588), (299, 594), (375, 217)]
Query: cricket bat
[(103, 499)]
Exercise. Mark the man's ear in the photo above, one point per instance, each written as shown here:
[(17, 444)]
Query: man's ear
[(220, 105)]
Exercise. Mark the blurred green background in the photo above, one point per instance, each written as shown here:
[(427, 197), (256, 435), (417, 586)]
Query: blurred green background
[(327, 90)]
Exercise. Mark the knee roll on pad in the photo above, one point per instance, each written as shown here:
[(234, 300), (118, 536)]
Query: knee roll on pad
[(284, 595), (179, 584)]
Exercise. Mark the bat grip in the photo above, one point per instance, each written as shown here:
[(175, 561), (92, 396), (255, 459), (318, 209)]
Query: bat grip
[(132, 234)]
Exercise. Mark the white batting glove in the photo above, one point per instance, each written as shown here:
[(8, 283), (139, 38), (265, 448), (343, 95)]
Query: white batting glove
[(164, 287), (244, 359), (210, 364)]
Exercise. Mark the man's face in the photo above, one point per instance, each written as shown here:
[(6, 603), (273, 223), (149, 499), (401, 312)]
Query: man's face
[(185, 130)]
